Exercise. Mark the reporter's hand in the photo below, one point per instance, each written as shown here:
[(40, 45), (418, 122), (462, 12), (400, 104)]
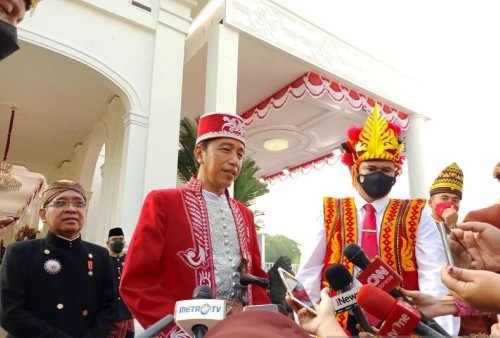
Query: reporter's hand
[(476, 288), (495, 328), (481, 241), (6, 221), (431, 306), (324, 323), (364, 334)]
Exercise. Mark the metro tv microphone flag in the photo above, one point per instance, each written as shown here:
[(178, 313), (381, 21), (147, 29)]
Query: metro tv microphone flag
[(400, 318), (340, 280), (196, 316), (383, 277)]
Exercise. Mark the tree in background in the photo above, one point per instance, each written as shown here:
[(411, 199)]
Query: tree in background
[(279, 245), (246, 187), (187, 166)]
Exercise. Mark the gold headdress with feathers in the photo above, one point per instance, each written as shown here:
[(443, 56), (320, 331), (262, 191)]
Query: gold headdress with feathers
[(376, 140)]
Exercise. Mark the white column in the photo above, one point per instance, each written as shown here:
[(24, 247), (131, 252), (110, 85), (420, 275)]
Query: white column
[(166, 93), (416, 160), (222, 70), (129, 195)]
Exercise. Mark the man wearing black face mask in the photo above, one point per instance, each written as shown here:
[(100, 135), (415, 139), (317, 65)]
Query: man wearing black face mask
[(400, 231), (11, 13), (123, 323)]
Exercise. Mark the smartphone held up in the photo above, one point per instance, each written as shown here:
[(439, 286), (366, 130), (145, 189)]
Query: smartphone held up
[(296, 290)]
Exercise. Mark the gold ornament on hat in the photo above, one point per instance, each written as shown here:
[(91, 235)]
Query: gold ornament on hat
[(31, 5), (376, 140)]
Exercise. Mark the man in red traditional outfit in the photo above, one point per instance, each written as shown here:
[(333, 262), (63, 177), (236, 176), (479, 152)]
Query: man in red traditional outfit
[(403, 234), (195, 235)]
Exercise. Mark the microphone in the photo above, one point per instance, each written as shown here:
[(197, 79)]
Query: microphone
[(157, 327), (400, 318), (444, 239), (196, 316), (246, 279), (340, 280), (378, 273)]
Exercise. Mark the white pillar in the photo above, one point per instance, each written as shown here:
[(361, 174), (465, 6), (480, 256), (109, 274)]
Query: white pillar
[(222, 70), (416, 160), (174, 18), (132, 174)]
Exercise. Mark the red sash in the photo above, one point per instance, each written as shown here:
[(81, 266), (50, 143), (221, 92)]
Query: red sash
[(396, 241)]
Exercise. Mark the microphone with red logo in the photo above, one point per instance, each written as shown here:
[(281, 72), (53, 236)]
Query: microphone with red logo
[(400, 318), (340, 280), (379, 274)]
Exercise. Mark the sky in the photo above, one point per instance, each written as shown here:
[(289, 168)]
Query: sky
[(449, 46)]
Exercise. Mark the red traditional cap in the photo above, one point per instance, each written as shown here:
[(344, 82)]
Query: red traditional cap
[(214, 125)]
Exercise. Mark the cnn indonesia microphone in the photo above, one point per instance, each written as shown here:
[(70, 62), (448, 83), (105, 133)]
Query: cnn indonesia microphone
[(196, 316), (400, 318), (378, 273), (340, 280)]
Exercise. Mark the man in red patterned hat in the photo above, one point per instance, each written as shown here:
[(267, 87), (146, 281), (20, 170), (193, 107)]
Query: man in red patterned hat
[(401, 232), (195, 235)]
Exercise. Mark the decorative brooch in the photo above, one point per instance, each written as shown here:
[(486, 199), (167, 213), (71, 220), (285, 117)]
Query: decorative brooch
[(52, 266), (90, 265)]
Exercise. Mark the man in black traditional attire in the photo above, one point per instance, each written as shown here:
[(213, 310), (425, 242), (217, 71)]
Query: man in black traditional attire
[(58, 286), (123, 322)]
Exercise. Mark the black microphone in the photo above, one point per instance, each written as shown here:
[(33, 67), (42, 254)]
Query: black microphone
[(340, 280), (201, 292), (157, 327), (357, 256), (246, 279)]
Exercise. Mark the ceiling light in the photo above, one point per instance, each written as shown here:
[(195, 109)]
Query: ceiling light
[(276, 144), (8, 181)]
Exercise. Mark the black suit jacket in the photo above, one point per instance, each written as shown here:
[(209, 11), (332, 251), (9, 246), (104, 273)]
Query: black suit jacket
[(74, 298)]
